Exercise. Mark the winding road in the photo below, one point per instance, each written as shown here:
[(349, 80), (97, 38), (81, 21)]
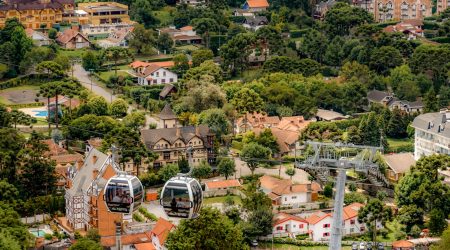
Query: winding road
[(83, 76)]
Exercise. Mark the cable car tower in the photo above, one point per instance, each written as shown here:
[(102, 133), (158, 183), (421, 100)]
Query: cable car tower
[(341, 157)]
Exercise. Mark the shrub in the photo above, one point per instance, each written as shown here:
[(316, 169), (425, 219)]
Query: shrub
[(138, 218), (147, 214), (48, 236), (298, 33)]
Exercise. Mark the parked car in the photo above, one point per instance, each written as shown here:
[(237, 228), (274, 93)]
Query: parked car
[(380, 246), (254, 243), (369, 246), (362, 246), (355, 246)]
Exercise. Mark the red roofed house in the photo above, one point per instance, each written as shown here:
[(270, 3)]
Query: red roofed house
[(223, 185), (287, 224), (255, 5), (160, 232), (154, 74), (284, 192), (410, 28), (255, 120), (183, 35), (128, 241), (73, 39)]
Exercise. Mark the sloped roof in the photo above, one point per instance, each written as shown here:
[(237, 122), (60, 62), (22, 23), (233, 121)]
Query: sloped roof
[(270, 182), (137, 64), (166, 90), (329, 115), (287, 188), (399, 163), (256, 20), (151, 136), (144, 246), (351, 211), (68, 35), (67, 158), (317, 217), (167, 113), (162, 230), (127, 239), (283, 217), (257, 119), (54, 148), (223, 184), (293, 123), (150, 69), (187, 28), (377, 95), (284, 138), (402, 244), (434, 123), (258, 3)]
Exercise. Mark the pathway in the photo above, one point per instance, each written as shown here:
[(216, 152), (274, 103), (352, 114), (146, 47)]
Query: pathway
[(83, 76)]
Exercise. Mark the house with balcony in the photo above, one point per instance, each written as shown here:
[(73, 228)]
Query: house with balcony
[(387, 10), (431, 135), (73, 39), (171, 144), (288, 225), (154, 74), (85, 206), (388, 100)]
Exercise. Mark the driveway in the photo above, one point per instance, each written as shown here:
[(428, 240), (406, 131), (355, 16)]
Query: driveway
[(83, 76)]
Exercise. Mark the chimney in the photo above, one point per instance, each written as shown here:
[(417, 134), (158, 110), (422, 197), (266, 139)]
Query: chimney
[(197, 131), (94, 173), (178, 132), (94, 159)]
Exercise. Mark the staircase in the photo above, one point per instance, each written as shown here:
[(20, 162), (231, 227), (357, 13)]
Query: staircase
[(376, 177)]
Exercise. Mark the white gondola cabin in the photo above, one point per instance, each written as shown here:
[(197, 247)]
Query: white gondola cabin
[(123, 193), (182, 197)]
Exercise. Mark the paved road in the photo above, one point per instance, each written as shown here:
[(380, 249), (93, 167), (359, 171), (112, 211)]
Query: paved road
[(83, 76), (242, 169)]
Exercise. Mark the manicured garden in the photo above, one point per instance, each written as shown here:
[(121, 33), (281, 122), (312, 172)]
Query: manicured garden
[(222, 199)]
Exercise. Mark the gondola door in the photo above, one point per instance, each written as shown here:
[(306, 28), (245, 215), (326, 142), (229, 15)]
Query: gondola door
[(176, 200), (118, 196)]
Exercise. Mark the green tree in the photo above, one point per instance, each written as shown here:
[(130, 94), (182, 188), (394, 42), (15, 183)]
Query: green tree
[(236, 51), (352, 197), (9, 194), (216, 121), (253, 153), (342, 17), (134, 120), (375, 211), (370, 132), (444, 242), (117, 54), (314, 45), (208, 68), (141, 12), (385, 58), (268, 140), (181, 64), (15, 44), (168, 171), (437, 223), (271, 37), (196, 234), (86, 244), (201, 55), (9, 242), (226, 167), (92, 234), (357, 71), (398, 124), (203, 26), (259, 223), (431, 61), (142, 40), (11, 142), (91, 60), (119, 108), (290, 171), (51, 69), (98, 105), (13, 232), (247, 100), (52, 33), (164, 42), (328, 190), (88, 126), (202, 170), (19, 117), (431, 102), (334, 54)]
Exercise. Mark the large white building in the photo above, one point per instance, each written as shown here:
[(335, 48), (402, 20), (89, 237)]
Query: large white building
[(154, 74), (431, 134)]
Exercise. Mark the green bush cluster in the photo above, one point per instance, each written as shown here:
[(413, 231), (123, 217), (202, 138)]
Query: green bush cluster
[(147, 214), (138, 218), (26, 105), (298, 33), (296, 242)]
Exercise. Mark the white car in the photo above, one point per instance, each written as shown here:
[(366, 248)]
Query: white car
[(362, 246)]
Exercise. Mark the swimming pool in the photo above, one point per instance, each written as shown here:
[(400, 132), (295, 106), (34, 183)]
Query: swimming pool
[(37, 233), (40, 113)]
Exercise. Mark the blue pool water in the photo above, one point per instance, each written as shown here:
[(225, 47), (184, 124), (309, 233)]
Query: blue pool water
[(41, 113), (38, 233)]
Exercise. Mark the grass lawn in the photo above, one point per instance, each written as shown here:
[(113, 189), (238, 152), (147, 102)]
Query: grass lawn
[(41, 121), (105, 75), (78, 53), (208, 201), (188, 47), (164, 16), (19, 94), (291, 247), (398, 145)]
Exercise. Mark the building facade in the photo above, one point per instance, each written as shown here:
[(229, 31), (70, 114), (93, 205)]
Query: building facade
[(85, 206), (289, 225), (154, 74), (442, 5), (36, 14), (431, 135), (385, 10)]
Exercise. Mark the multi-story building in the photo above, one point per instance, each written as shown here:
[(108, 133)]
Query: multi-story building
[(171, 143), (103, 17), (85, 206), (431, 134), (442, 5), (390, 101), (36, 14), (385, 10)]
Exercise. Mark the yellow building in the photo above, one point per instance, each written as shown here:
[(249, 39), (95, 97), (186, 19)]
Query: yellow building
[(105, 12), (36, 14)]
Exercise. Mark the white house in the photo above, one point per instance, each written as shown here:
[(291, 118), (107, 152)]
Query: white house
[(255, 5), (39, 38), (160, 232), (319, 225), (154, 74), (289, 225), (431, 135)]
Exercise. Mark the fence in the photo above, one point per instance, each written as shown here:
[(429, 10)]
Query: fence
[(35, 219), (224, 192)]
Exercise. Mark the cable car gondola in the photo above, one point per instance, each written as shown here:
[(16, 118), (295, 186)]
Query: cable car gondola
[(182, 197), (124, 193)]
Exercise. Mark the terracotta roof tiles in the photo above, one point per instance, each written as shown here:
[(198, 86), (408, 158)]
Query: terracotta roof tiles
[(257, 3), (223, 184), (162, 230)]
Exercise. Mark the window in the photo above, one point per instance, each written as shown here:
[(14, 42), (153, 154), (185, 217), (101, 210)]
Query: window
[(279, 228), (301, 226), (171, 80), (362, 229), (163, 80), (285, 199), (155, 81), (294, 197), (166, 155), (164, 73), (352, 222), (326, 234), (352, 230), (294, 225), (157, 73), (326, 225)]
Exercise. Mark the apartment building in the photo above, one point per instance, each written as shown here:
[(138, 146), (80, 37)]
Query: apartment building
[(85, 206), (36, 14), (442, 5), (385, 10), (431, 134)]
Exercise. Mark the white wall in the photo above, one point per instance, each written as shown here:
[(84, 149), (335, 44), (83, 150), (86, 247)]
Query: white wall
[(161, 76), (318, 229), (292, 226), (291, 199)]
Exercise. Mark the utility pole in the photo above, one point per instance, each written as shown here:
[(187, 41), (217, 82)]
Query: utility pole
[(90, 76), (336, 230)]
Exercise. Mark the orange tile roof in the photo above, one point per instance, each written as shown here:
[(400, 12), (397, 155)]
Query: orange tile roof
[(70, 34), (127, 239), (351, 211), (137, 64), (402, 244), (53, 148), (223, 184), (186, 28), (287, 188), (258, 3), (317, 217), (162, 230), (144, 246), (165, 64), (285, 138), (270, 182), (283, 217), (293, 123), (150, 69), (67, 158)]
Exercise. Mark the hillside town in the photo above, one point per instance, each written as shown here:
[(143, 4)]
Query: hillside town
[(224, 124)]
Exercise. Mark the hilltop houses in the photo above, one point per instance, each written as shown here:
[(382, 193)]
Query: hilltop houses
[(387, 99), (153, 73)]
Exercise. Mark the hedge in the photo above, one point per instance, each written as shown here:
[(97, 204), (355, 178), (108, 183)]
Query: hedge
[(427, 25), (138, 218), (147, 214), (298, 33), (441, 39), (23, 80), (237, 19), (26, 105)]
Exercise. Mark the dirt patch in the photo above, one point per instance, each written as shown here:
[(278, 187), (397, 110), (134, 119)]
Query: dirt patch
[(20, 96)]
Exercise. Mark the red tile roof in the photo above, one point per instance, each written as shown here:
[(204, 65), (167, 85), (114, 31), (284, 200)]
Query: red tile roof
[(137, 64), (258, 3), (68, 35), (150, 69), (128, 239), (186, 28), (317, 217), (144, 246), (67, 158), (283, 217), (351, 211), (162, 230), (402, 244), (53, 148), (223, 184)]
